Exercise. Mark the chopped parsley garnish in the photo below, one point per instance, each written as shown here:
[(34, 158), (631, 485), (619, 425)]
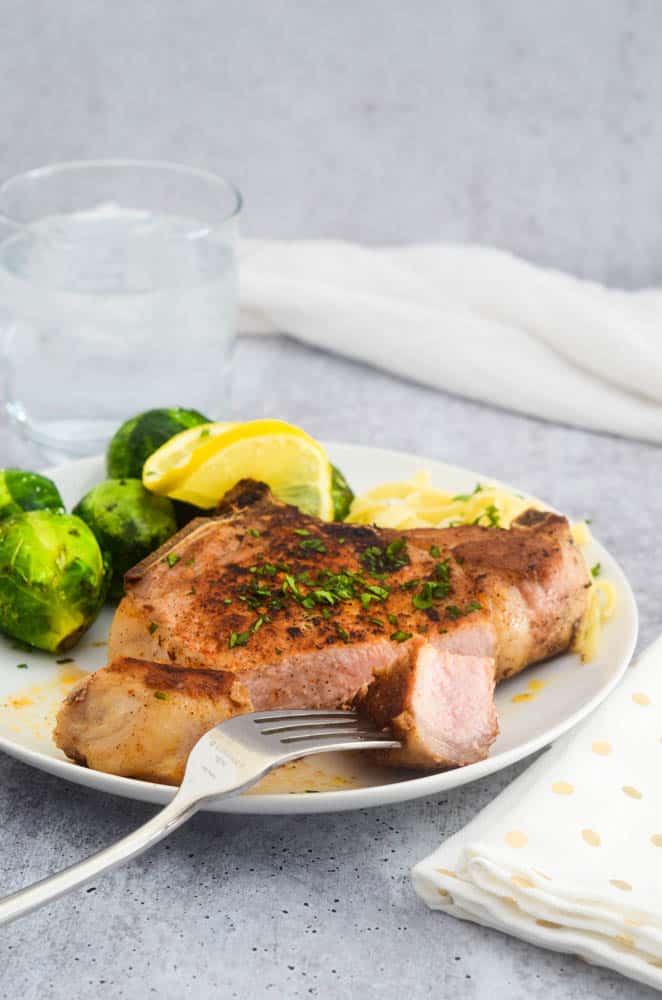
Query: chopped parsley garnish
[(492, 514), (381, 561), (400, 636), (442, 571), (152, 628), (434, 551), (278, 652), (342, 633), (161, 695), (376, 621), (392, 619), (189, 562), (204, 434), (430, 592), (312, 545), (454, 612), (301, 531), (596, 570), (255, 532), (238, 639), (172, 559), (467, 496), (24, 666), (259, 622)]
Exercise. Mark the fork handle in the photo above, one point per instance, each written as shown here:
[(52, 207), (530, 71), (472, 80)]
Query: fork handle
[(181, 808)]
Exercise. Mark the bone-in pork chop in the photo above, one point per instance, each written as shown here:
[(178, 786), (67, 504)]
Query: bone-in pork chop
[(303, 611)]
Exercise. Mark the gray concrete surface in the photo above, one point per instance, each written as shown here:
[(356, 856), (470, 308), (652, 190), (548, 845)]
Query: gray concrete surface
[(534, 127)]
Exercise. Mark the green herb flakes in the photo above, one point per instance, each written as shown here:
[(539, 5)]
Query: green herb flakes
[(172, 559), (238, 639), (400, 636), (312, 545), (161, 695), (342, 634)]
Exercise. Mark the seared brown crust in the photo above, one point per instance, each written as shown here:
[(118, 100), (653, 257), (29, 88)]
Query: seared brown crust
[(383, 699), (167, 677)]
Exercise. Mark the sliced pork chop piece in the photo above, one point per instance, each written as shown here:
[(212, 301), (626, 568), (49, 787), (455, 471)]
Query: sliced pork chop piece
[(440, 705), (253, 590), (141, 720)]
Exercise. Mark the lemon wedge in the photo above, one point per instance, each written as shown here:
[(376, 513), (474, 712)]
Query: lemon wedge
[(201, 464)]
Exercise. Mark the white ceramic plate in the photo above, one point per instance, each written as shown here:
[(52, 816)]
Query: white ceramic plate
[(558, 694)]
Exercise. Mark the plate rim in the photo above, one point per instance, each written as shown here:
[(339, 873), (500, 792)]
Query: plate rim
[(284, 803)]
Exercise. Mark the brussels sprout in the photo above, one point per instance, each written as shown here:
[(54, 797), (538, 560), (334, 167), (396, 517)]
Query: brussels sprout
[(53, 578), (128, 523), (341, 494), (140, 437), (21, 490)]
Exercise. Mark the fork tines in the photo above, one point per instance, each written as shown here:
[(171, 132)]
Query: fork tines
[(299, 725)]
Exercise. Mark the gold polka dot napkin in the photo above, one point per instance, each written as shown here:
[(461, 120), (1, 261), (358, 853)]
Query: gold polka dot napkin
[(569, 856)]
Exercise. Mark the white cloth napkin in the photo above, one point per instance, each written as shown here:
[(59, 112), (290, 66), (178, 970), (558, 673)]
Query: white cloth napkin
[(569, 856), (473, 320)]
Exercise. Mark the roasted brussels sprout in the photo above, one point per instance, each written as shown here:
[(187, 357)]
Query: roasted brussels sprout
[(139, 437), (21, 490), (53, 578), (128, 523), (341, 494)]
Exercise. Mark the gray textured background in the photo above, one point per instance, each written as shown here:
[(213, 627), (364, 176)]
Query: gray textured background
[(534, 127)]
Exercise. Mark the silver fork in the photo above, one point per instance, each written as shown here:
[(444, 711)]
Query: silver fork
[(228, 759)]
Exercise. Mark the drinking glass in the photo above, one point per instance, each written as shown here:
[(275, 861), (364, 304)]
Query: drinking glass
[(118, 293)]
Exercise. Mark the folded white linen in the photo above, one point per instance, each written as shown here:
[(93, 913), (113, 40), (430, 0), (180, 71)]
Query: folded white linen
[(569, 856), (473, 320)]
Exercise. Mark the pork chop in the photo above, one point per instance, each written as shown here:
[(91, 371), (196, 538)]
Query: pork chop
[(440, 705), (303, 611), (261, 606)]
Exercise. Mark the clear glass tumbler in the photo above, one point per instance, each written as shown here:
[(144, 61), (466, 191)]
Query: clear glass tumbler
[(118, 293)]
